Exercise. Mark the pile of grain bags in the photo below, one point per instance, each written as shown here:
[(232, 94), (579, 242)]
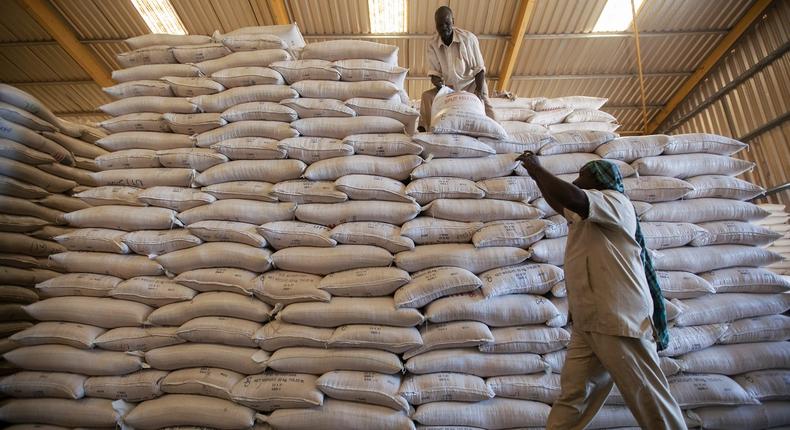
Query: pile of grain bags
[(777, 221), (43, 160), (540, 114)]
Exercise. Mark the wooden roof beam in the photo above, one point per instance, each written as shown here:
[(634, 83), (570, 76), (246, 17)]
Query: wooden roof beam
[(279, 12), (54, 24), (525, 9), (707, 64)]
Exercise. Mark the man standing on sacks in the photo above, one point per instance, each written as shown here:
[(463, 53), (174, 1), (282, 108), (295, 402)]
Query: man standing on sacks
[(454, 60), (619, 320)]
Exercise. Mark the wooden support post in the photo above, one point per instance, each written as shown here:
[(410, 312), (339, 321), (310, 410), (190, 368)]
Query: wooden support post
[(279, 11), (514, 46), (54, 24)]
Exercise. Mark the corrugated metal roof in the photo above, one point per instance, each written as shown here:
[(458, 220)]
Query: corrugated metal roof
[(17, 25), (565, 16), (679, 15)]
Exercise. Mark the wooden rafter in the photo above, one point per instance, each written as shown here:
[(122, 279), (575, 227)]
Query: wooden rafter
[(54, 24), (523, 16), (707, 64), (279, 11)]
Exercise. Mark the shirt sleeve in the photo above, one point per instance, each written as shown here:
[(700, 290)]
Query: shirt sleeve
[(434, 65), (475, 59), (608, 208)]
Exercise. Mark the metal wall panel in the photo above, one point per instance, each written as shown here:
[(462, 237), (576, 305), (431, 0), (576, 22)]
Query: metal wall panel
[(16, 25), (679, 15)]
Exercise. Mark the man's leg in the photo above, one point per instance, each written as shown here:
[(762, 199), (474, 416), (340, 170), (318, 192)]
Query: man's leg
[(585, 385), (425, 108), (633, 364)]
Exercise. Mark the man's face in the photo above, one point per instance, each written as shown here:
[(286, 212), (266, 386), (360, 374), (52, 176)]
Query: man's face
[(444, 25)]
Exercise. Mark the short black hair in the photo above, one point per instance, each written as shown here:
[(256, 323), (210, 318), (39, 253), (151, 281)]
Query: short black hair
[(441, 11)]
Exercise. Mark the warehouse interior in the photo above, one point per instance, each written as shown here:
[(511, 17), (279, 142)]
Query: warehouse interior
[(258, 237)]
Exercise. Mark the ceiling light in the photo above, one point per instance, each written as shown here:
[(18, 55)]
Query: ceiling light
[(160, 16), (387, 16), (616, 15)]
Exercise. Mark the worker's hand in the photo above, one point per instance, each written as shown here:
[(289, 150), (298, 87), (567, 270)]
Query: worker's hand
[(529, 160), (437, 81)]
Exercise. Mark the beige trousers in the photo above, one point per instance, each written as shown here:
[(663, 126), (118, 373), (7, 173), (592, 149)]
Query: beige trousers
[(594, 363), (427, 102)]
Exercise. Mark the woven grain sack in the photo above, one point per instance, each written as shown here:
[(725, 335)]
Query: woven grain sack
[(193, 123), (452, 146), (252, 170), (175, 198), (428, 231), (521, 279), (367, 387), (206, 381), (157, 242), (77, 284), (128, 159), (227, 231), (703, 142), (360, 210), (22, 100), (242, 190), (123, 218), (718, 308), (193, 87), (365, 282), (576, 141), (655, 189), (589, 115), (63, 203), (155, 39), (736, 417), (735, 232), (25, 277), (146, 178), (241, 210), (62, 358), (17, 151), (382, 145), (259, 111), (81, 336), (250, 148), (211, 304), (111, 195), (138, 339), (360, 70), (14, 294), (152, 290), (277, 334), (519, 141), (284, 234), (350, 310), (462, 113), (683, 285), (288, 33), (335, 50), (246, 361), (269, 129), (202, 52), (393, 339), (473, 169), (688, 165), (512, 114), (386, 108), (100, 312), (552, 116), (704, 210), (17, 243), (660, 235), (429, 189), (144, 121), (472, 210), (25, 118), (572, 102), (220, 279), (143, 88), (540, 387), (499, 311), (63, 412), (630, 148), (519, 234), (41, 384), (317, 108), (369, 187), (24, 224), (340, 128), (379, 234), (122, 266), (320, 360), (220, 330), (345, 90), (707, 258), (433, 387), (476, 260), (342, 415), (490, 414), (562, 164), (80, 176), (16, 206), (247, 76), (473, 362), (227, 99), (262, 57), (312, 149), (746, 280), (12, 187), (271, 391), (683, 340), (22, 135), (737, 359), (289, 287), (184, 409), (249, 41), (514, 188), (766, 384), (722, 187), (134, 387), (217, 254), (149, 103), (457, 334), (304, 70), (428, 285), (154, 71)]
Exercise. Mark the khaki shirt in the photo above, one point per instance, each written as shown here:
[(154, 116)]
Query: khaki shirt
[(458, 63), (607, 288)]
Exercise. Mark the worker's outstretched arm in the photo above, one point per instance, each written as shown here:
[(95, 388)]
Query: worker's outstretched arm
[(559, 194)]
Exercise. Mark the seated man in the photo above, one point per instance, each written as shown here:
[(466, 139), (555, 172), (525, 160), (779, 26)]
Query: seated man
[(455, 60)]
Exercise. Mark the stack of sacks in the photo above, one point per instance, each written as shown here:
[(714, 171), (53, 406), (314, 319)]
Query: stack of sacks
[(41, 166), (540, 114), (777, 221)]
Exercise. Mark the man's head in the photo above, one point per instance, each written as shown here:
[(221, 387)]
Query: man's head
[(600, 175), (444, 22)]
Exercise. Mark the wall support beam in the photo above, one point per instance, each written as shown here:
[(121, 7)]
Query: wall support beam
[(525, 9), (279, 11), (707, 64), (54, 24)]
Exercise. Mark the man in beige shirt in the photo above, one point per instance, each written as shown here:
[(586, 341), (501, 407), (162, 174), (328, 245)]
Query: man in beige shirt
[(611, 303), (454, 60)]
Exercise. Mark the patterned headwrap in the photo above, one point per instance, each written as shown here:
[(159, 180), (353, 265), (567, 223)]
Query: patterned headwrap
[(608, 175)]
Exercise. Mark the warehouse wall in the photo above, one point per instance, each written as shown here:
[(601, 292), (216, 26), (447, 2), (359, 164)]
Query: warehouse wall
[(747, 96)]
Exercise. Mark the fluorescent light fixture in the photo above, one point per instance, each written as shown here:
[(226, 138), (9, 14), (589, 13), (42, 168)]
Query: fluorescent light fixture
[(387, 16), (160, 16), (616, 15)]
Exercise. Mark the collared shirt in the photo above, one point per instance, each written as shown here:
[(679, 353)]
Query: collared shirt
[(458, 63), (604, 274)]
